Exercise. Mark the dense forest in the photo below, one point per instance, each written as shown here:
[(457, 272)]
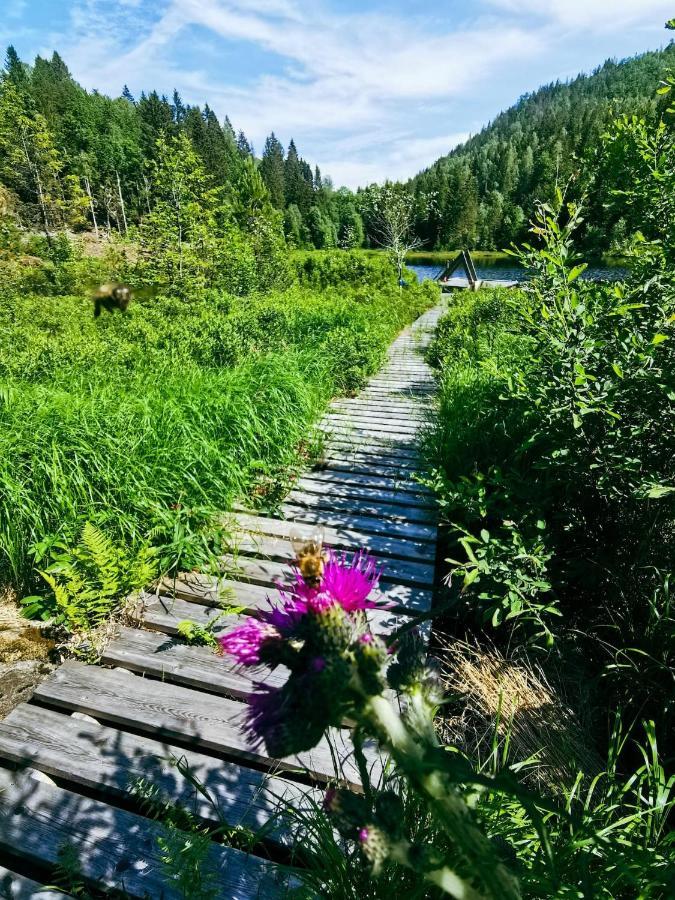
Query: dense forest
[(85, 160), (482, 193)]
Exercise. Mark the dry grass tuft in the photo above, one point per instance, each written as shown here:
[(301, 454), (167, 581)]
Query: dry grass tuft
[(19, 638), (495, 692)]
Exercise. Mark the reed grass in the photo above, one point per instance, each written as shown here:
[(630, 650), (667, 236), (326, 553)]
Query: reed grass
[(112, 420)]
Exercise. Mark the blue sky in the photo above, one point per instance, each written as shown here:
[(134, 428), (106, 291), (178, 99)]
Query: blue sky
[(369, 90)]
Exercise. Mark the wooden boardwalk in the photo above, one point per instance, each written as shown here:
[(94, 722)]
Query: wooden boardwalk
[(71, 757)]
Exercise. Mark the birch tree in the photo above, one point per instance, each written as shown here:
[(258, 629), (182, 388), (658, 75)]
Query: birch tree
[(178, 232), (392, 220), (31, 164)]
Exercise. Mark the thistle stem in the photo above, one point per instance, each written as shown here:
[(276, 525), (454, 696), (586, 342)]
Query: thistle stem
[(447, 807), (443, 877)]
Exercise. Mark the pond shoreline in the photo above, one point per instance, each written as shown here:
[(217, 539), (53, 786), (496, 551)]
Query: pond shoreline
[(494, 258)]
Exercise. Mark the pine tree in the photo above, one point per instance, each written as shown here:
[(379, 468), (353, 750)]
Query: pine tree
[(228, 130), (127, 95), (156, 118), (16, 70), (272, 170), (298, 190), (178, 108), (243, 145)]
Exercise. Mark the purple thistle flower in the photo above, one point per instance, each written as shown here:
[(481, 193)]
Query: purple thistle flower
[(245, 642), (286, 616), (364, 834), (351, 583), (366, 638), (321, 602)]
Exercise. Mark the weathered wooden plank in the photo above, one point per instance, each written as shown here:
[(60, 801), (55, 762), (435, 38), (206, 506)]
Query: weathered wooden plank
[(336, 469), (388, 389), (341, 538), (397, 370), (113, 847), (171, 660), (266, 549), (164, 614), (383, 424), (377, 460), (386, 429), (361, 464), (279, 549), (201, 721), (415, 387), (16, 887), (395, 395), (209, 591), (400, 371), (387, 414), (310, 485), (98, 757), (392, 375), (406, 382), (400, 482), (390, 511), (367, 524), (376, 449), (158, 616), (370, 434), (379, 411), (269, 573)]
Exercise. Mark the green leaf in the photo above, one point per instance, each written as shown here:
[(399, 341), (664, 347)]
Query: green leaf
[(617, 369), (659, 339), (656, 491), (576, 271), (470, 577)]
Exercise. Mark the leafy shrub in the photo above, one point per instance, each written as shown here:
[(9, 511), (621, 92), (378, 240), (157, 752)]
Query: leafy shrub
[(509, 570), (558, 406)]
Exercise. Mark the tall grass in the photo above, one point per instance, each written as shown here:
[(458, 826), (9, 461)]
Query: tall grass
[(115, 419)]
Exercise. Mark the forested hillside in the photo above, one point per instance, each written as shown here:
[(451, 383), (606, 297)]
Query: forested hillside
[(482, 193), (85, 161), (79, 159)]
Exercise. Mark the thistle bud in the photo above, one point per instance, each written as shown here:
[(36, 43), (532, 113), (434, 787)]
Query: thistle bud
[(374, 845)]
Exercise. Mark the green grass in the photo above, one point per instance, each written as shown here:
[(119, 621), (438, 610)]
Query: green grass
[(117, 420)]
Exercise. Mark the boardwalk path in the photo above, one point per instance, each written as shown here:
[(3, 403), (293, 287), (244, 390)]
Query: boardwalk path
[(95, 730)]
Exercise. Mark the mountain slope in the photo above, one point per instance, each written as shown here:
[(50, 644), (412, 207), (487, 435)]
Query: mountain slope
[(482, 193)]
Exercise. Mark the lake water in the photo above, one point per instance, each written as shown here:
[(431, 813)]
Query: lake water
[(510, 272)]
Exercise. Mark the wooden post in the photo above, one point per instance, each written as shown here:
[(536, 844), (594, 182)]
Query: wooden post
[(464, 260)]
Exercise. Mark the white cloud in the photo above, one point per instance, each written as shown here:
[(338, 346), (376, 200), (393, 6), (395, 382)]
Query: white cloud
[(345, 84), (345, 74), (404, 157), (603, 15)]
